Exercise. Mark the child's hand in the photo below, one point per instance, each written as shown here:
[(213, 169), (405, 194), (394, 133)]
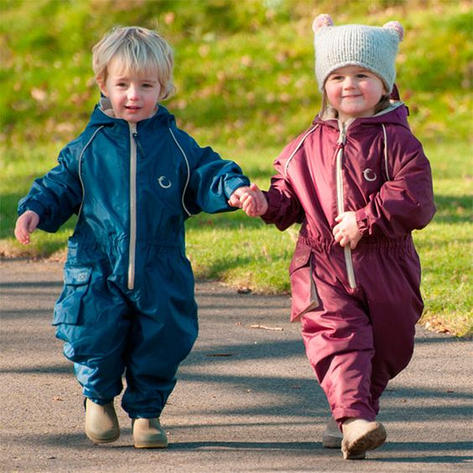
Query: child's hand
[(252, 201), (234, 199), (346, 232), (25, 225)]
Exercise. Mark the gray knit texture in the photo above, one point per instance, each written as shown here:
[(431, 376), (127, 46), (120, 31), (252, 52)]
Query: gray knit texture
[(371, 47)]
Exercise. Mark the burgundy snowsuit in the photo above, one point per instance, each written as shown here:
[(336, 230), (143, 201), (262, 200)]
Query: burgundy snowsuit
[(359, 307)]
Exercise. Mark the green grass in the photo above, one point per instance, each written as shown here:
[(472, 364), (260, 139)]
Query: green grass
[(244, 69), (244, 252), (245, 85)]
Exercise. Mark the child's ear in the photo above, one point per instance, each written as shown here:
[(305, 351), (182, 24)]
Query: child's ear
[(102, 87)]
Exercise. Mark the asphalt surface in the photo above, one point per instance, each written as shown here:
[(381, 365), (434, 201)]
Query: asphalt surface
[(246, 399)]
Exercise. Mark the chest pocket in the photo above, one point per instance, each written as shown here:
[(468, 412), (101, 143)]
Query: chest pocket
[(165, 185), (76, 283)]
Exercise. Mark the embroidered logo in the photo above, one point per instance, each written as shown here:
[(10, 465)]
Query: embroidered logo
[(164, 182), (369, 175)]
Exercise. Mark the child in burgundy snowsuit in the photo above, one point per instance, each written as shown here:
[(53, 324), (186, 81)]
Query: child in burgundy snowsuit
[(359, 183)]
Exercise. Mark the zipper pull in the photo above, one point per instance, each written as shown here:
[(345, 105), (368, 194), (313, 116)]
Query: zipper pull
[(138, 145), (342, 137)]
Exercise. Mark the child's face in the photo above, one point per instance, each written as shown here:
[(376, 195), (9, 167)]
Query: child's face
[(133, 96), (354, 92)]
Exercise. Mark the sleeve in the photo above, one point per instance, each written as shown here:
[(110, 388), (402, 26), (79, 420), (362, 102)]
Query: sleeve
[(55, 196), (284, 207), (212, 179), (406, 201)]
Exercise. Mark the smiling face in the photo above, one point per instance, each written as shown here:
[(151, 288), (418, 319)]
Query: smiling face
[(354, 92), (133, 96)]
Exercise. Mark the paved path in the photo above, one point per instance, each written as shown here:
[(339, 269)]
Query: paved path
[(246, 399)]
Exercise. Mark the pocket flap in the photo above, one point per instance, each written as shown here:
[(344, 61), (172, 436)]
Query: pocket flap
[(76, 276), (300, 259), (303, 290)]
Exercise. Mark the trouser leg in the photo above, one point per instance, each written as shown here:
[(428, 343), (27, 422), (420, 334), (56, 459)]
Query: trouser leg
[(339, 344), (394, 331), (90, 317), (158, 342), (395, 305), (96, 351)]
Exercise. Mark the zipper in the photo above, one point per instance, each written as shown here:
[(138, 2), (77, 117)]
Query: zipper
[(132, 243), (340, 202)]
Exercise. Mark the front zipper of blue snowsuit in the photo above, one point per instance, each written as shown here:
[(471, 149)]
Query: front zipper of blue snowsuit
[(132, 243), (340, 201)]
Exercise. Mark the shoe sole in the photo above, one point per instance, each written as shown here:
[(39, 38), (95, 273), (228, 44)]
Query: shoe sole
[(371, 440), (98, 440), (151, 445)]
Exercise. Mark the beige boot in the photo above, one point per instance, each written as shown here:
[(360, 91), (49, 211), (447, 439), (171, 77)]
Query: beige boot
[(101, 423), (360, 435), (148, 433), (332, 437)]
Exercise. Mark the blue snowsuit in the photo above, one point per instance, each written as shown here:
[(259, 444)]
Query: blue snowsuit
[(128, 299)]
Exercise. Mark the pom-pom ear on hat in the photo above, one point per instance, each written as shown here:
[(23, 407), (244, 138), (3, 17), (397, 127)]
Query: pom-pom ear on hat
[(370, 47), (324, 19), (397, 27)]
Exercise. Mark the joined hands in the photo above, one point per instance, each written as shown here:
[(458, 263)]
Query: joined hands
[(250, 199)]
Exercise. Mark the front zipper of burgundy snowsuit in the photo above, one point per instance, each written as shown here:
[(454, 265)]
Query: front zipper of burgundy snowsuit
[(132, 243), (340, 202)]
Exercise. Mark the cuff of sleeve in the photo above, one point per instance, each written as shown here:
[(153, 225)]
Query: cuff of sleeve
[(362, 221), (272, 210), (231, 185), (34, 206)]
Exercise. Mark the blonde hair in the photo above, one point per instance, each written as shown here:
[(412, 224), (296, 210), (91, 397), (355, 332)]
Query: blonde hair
[(139, 50)]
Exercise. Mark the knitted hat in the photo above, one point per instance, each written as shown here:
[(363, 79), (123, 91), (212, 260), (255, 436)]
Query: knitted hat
[(373, 48)]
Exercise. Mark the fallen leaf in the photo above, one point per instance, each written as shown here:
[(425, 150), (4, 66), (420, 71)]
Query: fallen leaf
[(244, 290), (265, 327)]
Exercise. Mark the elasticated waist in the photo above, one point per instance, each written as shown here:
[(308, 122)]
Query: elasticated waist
[(403, 243)]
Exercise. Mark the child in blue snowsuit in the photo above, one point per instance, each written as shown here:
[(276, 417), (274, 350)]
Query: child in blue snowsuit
[(133, 178)]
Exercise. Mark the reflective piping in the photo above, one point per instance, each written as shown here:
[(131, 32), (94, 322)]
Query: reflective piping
[(80, 169), (297, 148), (132, 245), (349, 265), (188, 173), (386, 152), (341, 208)]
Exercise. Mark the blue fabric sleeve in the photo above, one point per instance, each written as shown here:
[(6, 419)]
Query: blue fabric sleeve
[(212, 180), (56, 196)]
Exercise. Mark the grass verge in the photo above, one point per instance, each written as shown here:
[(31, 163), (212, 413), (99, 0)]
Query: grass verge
[(246, 253)]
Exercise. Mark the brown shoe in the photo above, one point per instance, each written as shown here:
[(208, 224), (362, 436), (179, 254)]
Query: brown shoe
[(148, 433), (360, 435), (101, 423), (332, 437)]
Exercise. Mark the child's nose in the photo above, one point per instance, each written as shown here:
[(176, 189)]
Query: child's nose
[(133, 92), (348, 82)]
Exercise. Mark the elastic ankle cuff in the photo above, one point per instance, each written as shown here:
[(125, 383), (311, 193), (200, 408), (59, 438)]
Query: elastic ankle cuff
[(100, 402)]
